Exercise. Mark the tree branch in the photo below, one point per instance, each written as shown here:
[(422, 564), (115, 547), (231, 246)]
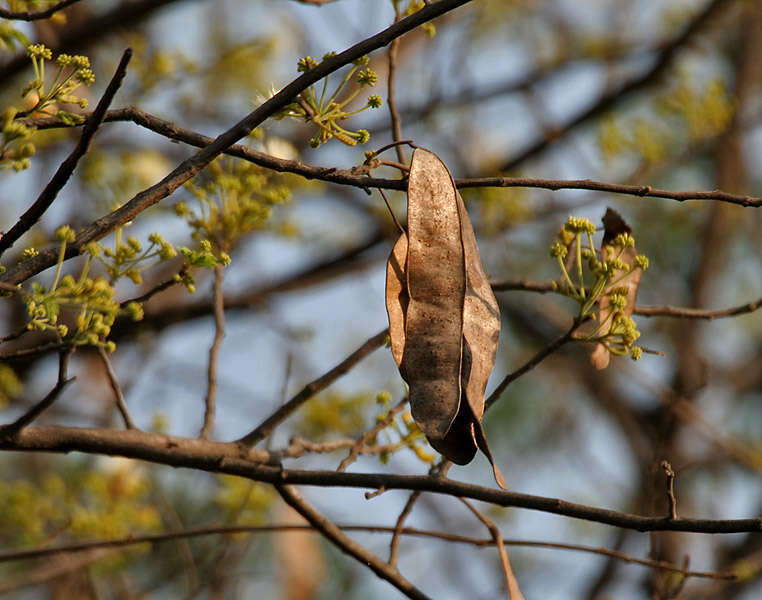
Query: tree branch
[(357, 178), (330, 531), (34, 16), (233, 459)]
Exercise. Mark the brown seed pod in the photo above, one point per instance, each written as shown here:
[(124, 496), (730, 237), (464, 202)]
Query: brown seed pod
[(444, 319)]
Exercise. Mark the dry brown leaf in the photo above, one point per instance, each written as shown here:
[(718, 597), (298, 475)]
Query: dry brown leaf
[(613, 225), (444, 319)]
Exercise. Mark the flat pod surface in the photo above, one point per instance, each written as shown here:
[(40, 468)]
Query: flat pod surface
[(444, 319), (436, 287)]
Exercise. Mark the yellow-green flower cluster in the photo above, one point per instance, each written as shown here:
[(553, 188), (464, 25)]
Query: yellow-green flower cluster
[(128, 258), (73, 71), (604, 272), (327, 111), (402, 432), (87, 304), (234, 198)]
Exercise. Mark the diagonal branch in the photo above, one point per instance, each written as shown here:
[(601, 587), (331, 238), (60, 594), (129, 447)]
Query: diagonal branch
[(45, 199), (12, 429), (609, 99), (191, 166), (514, 593), (346, 544), (312, 388), (36, 15)]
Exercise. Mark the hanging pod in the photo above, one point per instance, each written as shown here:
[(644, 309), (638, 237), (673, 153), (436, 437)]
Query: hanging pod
[(444, 320)]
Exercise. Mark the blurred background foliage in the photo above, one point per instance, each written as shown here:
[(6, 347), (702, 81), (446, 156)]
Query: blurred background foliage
[(666, 93)]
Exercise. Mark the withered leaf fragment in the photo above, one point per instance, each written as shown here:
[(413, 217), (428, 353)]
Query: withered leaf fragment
[(613, 225), (444, 319)]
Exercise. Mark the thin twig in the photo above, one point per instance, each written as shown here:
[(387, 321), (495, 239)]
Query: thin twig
[(114, 383), (347, 545), (514, 593), (312, 388), (158, 538), (49, 194), (160, 287), (391, 212), (361, 444), (391, 100), (34, 16), (532, 363), (13, 429), (394, 545), (210, 401), (670, 473)]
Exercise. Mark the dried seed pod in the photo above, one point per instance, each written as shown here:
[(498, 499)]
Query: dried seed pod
[(613, 225), (444, 319)]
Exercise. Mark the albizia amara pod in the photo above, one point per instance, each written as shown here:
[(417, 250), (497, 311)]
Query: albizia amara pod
[(444, 320)]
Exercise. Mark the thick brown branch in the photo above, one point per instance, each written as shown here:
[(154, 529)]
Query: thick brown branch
[(233, 459)]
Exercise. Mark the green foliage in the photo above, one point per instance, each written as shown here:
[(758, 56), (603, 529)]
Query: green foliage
[(327, 112), (10, 385), (11, 37), (688, 112), (402, 432), (44, 99), (128, 258), (334, 413), (234, 198), (15, 147), (88, 503), (92, 300), (73, 71), (242, 501)]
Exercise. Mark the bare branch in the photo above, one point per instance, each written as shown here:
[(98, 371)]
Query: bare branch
[(157, 538), (514, 593), (118, 395), (218, 304), (233, 459), (532, 363), (331, 532), (357, 178), (312, 388), (12, 429), (394, 545), (361, 444), (670, 473)]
